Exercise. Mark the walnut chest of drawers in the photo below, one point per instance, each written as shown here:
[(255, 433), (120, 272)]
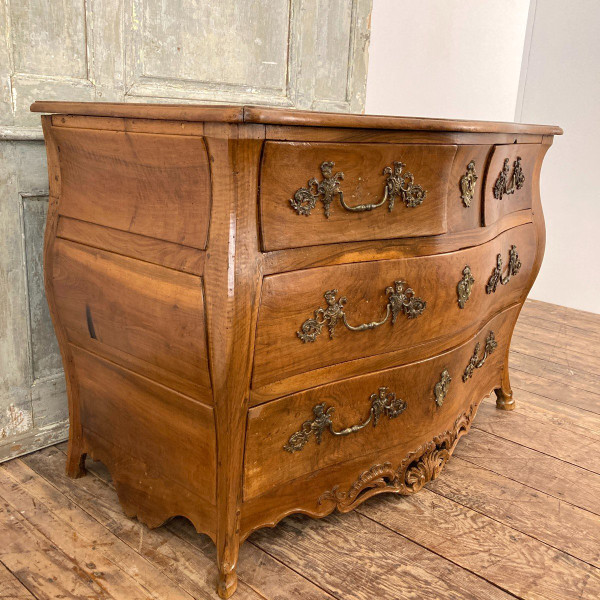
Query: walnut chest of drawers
[(266, 311)]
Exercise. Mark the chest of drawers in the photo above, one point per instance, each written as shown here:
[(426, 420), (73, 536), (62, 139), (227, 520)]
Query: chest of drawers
[(267, 311)]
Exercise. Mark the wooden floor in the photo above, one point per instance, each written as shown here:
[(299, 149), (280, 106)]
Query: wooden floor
[(515, 514)]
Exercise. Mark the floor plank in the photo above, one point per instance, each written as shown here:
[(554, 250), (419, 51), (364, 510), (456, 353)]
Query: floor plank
[(99, 564), (559, 335), (355, 558), (257, 569), (582, 365), (566, 416), (195, 554), (559, 392), (547, 438), (40, 566), (543, 517), (566, 329), (561, 314), (195, 572), (556, 373), (11, 588), (516, 562), (544, 473), (65, 523)]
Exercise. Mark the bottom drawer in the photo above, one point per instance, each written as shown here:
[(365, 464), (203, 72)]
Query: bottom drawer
[(407, 406)]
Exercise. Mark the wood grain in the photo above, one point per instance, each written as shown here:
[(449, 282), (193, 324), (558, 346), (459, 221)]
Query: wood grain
[(263, 115), (333, 552), (125, 310), (270, 425), (461, 217), (511, 560), (544, 473), (363, 182), (11, 588), (129, 181), (192, 570), (559, 524), (289, 299), (81, 538), (159, 252), (558, 441), (548, 384)]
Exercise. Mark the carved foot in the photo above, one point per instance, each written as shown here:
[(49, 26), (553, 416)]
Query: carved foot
[(75, 463), (227, 583), (504, 399)]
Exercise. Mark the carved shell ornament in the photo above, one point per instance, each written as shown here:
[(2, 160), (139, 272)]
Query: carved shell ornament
[(416, 469), (398, 184)]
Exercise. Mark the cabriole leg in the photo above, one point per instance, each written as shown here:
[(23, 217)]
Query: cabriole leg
[(227, 562), (504, 394), (75, 460)]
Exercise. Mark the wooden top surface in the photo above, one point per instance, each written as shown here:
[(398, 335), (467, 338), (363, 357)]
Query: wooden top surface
[(281, 116)]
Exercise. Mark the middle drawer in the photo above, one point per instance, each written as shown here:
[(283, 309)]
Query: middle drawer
[(323, 316)]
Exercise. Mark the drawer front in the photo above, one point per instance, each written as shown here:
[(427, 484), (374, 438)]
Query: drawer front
[(321, 193), (406, 406), (145, 317), (509, 180), (324, 316), (465, 190), (153, 185)]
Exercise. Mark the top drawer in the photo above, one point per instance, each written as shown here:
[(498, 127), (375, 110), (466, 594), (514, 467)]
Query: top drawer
[(509, 180), (321, 193)]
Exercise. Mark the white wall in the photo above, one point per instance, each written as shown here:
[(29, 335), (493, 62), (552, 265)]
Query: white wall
[(477, 59), (446, 58), (561, 85)]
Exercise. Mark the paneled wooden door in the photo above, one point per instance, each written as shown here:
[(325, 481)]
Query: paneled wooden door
[(309, 54)]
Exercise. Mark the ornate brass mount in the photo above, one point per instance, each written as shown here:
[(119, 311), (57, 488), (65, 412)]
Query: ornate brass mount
[(397, 184), (441, 387), (400, 300), (506, 185), (416, 469), (514, 266), (467, 184), (475, 362), (464, 287), (383, 402)]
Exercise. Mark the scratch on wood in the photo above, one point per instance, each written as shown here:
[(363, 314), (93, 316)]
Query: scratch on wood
[(90, 322)]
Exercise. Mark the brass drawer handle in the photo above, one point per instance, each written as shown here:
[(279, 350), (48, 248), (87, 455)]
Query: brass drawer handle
[(475, 362), (397, 184), (514, 266), (400, 300), (467, 184), (383, 402), (506, 185)]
